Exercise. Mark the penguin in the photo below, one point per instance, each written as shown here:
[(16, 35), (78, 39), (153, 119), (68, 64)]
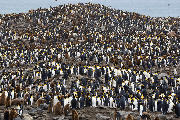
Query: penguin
[(13, 114), (50, 107), (6, 115), (98, 101), (57, 109), (66, 100), (8, 102), (94, 101), (12, 94), (31, 100), (74, 103), (55, 100), (155, 105), (135, 103), (151, 105), (17, 101), (111, 102), (171, 106), (157, 118), (39, 102), (75, 115), (2, 99), (141, 109), (165, 106), (19, 110), (82, 101), (177, 110), (66, 109), (129, 117)]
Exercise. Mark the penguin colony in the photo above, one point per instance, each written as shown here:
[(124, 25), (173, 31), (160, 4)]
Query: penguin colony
[(88, 55)]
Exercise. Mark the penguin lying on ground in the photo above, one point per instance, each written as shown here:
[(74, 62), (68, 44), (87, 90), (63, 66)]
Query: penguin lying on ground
[(17, 101)]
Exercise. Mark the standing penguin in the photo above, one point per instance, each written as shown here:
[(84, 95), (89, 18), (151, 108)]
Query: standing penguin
[(177, 110), (31, 100), (73, 103), (82, 101), (135, 102), (171, 105), (6, 115), (94, 101), (75, 115), (165, 106), (141, 108)]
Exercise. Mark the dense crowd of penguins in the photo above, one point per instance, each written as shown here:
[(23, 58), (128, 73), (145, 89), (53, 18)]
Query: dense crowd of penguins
[(87, 55)]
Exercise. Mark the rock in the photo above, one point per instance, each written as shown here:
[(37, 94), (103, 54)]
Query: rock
[(124, 114), (27, 117), (59, 118), (40, 118), (87, 116), (102, 117), (162, 117), (138, 118), (32, 113), (68, 117), (43, 106), (28, 108), (55, 118), (39, 111), (82, 117), (18, 118), (101, 107), (35, 117)]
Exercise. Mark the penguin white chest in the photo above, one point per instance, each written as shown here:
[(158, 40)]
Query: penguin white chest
[(170, 109), (31, 100), (94, 101), (135, 104), (111, 102), (55, 101), (141, 110)]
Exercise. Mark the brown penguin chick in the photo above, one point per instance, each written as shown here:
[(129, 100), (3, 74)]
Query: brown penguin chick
[(13, 114), (18, 89), (15, 95), (52, 85), (130, 117), (147, 116), (8, 102), (40, 101), (50, 107), (66, 109), (157, 118), (6, 115), (57, 109), (26, 96), (75, 115), (115, 114), (2, 99), (17, 101)]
